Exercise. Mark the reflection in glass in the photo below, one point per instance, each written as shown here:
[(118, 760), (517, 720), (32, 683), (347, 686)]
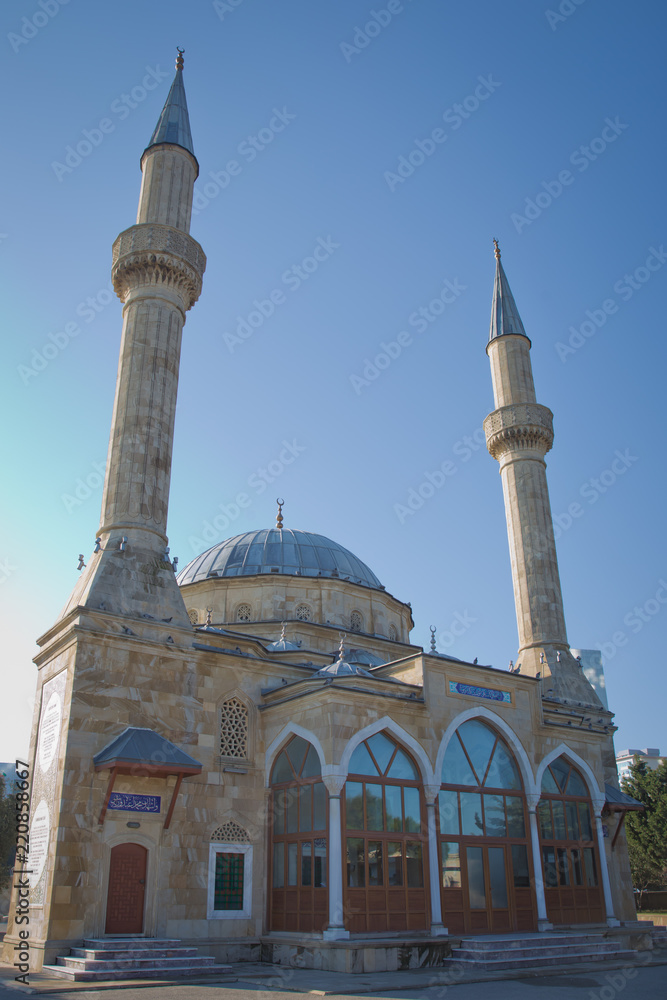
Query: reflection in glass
[(312, 768), (479, 741), (585, 821), (355, 862), (560, 770), (278, 866), (279, 811), (281, 770), (591, 867), (544, 816), (548, 783), (503, 772), (292, 802), (494, 816), (448, 806), (575, 785), (549, 862), (520, 870), (361, 762), (558, 811), (319, 807), (382, 749), (402, 767), (291, 863), (577, 866), (296, 751), (497, 878), (375, 876), (395, 862), (354, 805), (455, 768), (476, 888), (516, 826), (374, 819), (392, 794), (451, 865), (413, 864), (305, 807), (471, 814), (562, 866), (412, 811), (320, 879), (572, 820), (306, 862)]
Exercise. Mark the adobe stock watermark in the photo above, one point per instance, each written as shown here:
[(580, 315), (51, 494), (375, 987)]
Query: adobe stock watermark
[(635, 620), (565, 9), (581, 158), (292, 279), (6, 570), (420, 321), (88, 310), (624, 288), (417, 496), (593, 489), (363, 35), (456, 628), (84, 487), (248, 149), (454, 116), (257, 482), (92, 138), (32, 25), (224, 7)]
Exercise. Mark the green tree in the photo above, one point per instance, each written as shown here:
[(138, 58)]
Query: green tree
[(7, 835), (647, 830)]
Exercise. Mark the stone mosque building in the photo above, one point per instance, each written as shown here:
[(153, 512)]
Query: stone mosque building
[(212, 764)]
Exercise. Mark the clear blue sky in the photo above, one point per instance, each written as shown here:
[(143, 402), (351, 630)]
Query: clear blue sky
[(317, 103)]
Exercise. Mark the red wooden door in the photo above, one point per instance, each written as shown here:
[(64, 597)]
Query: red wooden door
[(127, 885)]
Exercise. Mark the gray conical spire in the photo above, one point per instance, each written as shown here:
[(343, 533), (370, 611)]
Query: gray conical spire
[(174, 123), (504, 313)]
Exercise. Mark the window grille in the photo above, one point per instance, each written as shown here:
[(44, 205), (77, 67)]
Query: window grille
[(234, 729), (228, 893)]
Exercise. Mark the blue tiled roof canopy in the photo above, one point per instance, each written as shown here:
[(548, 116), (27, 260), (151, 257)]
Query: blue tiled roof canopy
[(286, 551), (143, 746)]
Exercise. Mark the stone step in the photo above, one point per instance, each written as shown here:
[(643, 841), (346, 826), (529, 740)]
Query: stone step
[(564, 952), (158, 971), (499, 943), (111, 953), (540, 960), (131, 942), (71, 962)]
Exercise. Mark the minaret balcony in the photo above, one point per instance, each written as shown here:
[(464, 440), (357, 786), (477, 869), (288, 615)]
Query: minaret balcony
[(519, 427), (153, 254)]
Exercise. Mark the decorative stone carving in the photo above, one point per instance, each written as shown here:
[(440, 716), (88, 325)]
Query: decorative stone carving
[(519, 426), (230, 833), (234, 729), (151, 254)]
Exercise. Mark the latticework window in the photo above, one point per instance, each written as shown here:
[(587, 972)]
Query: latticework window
[(230, 833), (244, 613), (393, 635), (193, 616), (356, 622), (234, 729), (228, 882), (303, 613)]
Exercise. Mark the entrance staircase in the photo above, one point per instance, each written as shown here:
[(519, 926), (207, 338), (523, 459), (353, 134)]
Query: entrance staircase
[(133, 958), (527, 951)]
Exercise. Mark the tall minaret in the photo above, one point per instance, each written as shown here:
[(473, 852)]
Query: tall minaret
[(519, 433), (157, 273)]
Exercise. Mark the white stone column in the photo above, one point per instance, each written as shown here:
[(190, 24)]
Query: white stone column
[(336, 930), (612, 921), (437, 928), (543, 923)]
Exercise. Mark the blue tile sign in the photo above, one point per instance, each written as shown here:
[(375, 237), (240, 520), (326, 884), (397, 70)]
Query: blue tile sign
[(134, 803), (479, 692)]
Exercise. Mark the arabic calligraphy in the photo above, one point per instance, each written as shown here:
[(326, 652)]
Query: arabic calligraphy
[(479, 692), (134, 803)]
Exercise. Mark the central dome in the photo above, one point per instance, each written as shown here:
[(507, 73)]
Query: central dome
[(273, 550)]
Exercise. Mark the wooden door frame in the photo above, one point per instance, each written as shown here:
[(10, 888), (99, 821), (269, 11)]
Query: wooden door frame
[(152, 870)]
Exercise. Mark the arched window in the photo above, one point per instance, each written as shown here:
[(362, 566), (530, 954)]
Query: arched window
[(356, 622), (303, 613), (386, 839), (393, 634), (299, 900), (193, 616), (243, 613), (483, 835), (569, 852), (229, 873)]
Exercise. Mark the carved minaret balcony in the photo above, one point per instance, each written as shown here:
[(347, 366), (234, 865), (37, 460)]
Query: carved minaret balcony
[(519, 433)]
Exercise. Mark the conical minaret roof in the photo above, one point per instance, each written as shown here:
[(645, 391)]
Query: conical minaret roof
[(504, 313), (174, 123)]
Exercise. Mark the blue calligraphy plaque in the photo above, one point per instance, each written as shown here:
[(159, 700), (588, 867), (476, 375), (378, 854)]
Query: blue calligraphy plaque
[(455, 687), (134, 803)]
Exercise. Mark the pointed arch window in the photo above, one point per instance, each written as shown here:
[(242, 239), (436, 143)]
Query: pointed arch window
[(483, 835), (386, 839), (299, 899), (569, 852)]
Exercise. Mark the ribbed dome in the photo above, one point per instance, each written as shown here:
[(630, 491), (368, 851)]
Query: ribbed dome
[(286, 551)]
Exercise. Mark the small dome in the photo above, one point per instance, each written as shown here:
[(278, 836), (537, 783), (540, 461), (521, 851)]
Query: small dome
[(286, 551)]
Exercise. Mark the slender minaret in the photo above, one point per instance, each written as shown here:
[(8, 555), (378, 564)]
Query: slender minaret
[(157, 273), (519, 433)]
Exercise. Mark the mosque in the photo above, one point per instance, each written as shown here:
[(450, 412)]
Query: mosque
[(250, 756)]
